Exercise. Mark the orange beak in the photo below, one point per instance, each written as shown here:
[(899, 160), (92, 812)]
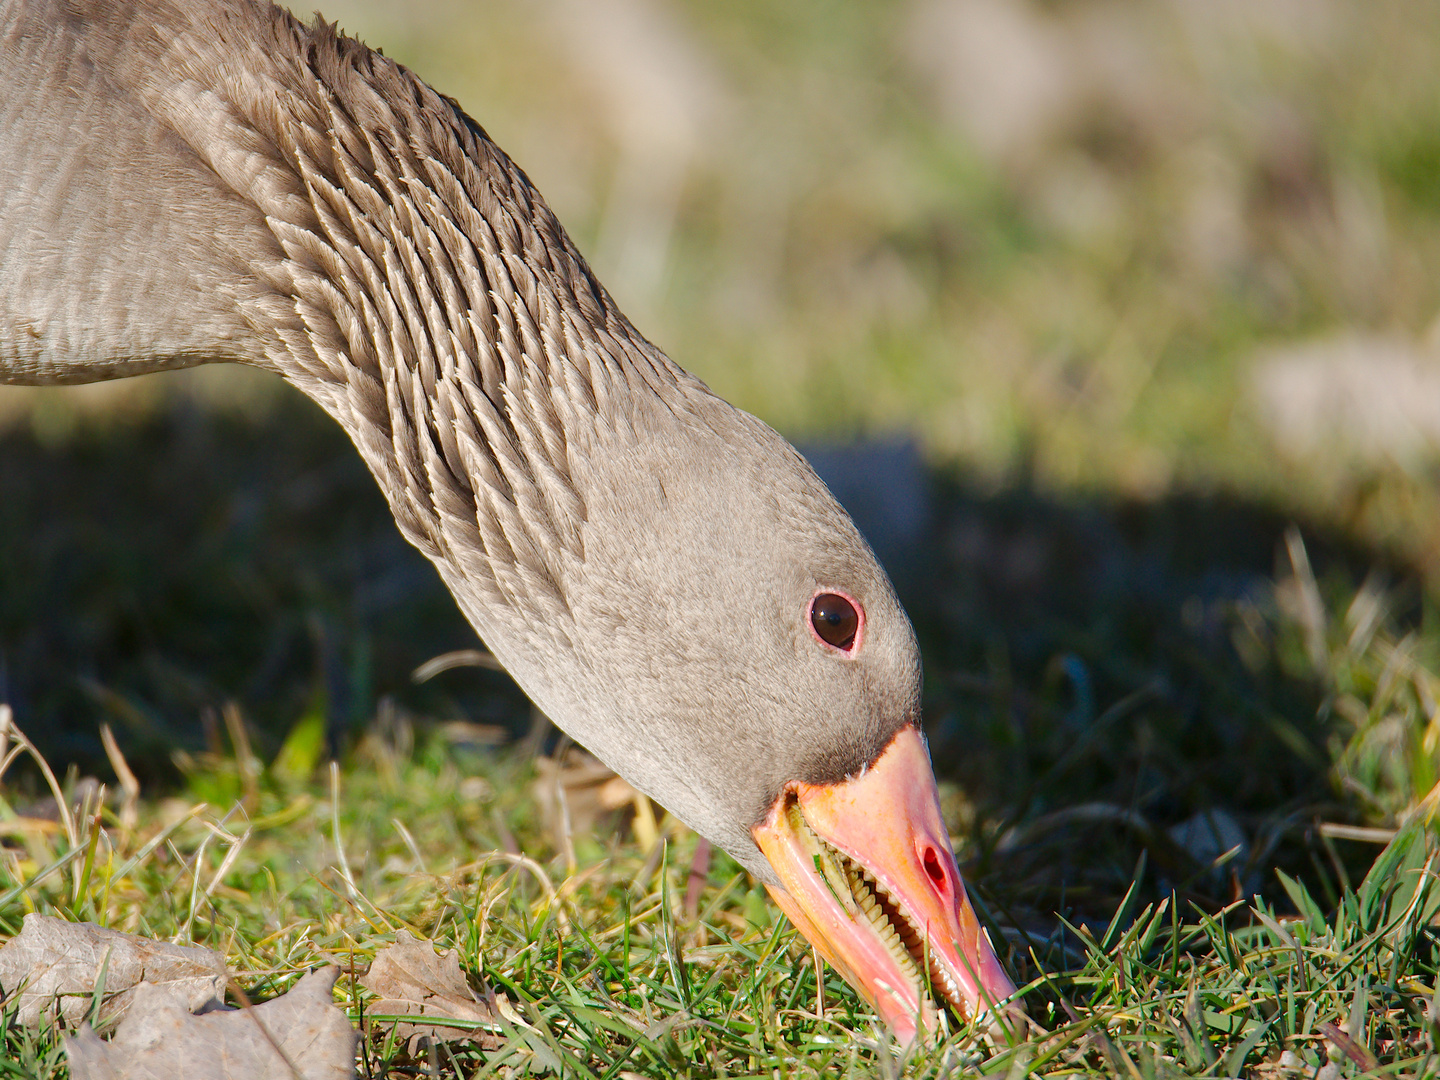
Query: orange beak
[(870, 879)]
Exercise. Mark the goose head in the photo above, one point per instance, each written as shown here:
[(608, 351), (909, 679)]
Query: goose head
[(728, 642)]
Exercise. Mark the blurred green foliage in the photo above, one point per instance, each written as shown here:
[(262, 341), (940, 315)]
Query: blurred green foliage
[(1060, 237)]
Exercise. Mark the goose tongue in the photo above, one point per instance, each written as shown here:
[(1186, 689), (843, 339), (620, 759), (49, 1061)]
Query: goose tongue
[(868, 876)]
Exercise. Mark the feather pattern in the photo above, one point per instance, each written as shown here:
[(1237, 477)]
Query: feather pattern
[(181, 183)]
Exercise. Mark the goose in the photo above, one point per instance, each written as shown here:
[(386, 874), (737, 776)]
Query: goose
[(196, 181)]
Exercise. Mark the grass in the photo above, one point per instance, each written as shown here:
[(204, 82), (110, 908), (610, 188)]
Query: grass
[(283, 864)]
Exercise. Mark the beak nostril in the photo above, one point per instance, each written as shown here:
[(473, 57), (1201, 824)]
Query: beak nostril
[(933, 867)]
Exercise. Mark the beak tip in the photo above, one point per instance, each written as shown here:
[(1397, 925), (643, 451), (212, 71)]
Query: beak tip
[(885, 827)]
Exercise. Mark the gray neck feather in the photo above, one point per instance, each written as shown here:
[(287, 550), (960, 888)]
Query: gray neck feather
[(207, 181)]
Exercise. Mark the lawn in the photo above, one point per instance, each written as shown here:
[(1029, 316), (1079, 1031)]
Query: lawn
[(1114, 324)]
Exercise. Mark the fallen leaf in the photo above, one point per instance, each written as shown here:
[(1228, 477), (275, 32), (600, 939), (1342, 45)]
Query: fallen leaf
[(591, 790), (55, 966), (409, 979), (301, 1034), (1357, 1052)]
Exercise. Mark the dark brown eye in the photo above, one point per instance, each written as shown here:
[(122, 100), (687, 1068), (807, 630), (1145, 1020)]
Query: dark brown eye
[(835, 620)]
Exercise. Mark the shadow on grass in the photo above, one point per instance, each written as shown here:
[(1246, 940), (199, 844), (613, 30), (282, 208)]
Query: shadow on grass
[(158, 569), (1094, 680)]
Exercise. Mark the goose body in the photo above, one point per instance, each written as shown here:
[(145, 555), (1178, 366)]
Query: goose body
[(182, 183)]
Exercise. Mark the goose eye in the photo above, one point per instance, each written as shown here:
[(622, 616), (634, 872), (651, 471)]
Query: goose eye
[(835, 620)]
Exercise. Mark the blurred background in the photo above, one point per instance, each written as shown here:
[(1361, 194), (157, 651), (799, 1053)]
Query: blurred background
[(1115, 322)]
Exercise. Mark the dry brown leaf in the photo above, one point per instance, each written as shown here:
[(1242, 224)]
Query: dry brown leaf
[(302, 1034), (591, 789), (409, 979), (55, 966)]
